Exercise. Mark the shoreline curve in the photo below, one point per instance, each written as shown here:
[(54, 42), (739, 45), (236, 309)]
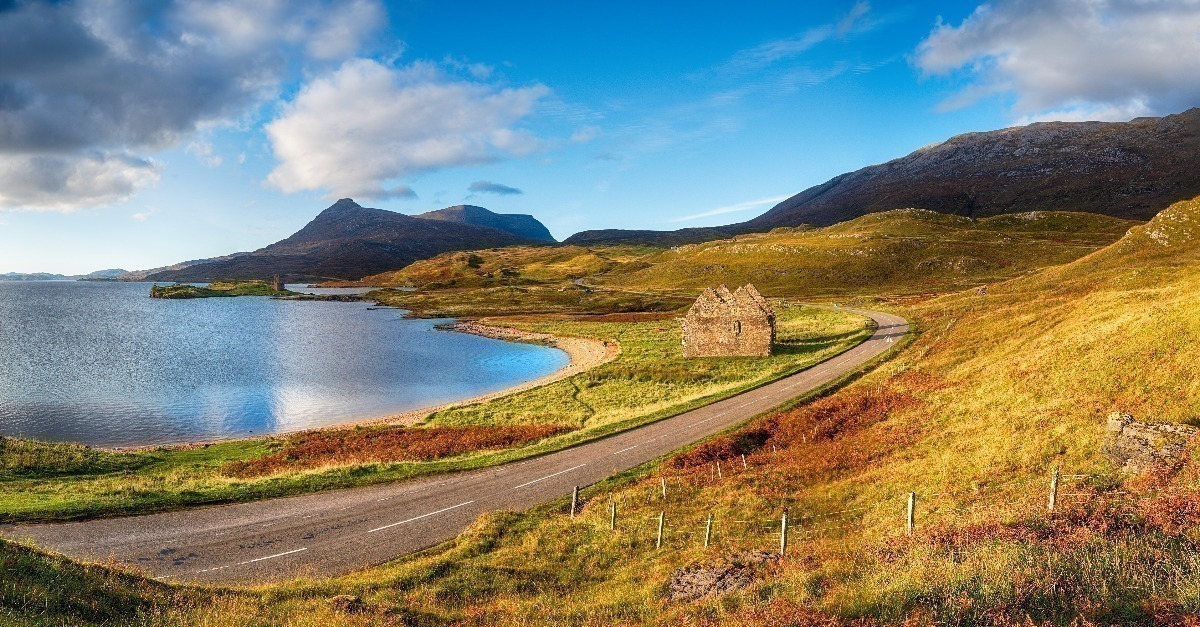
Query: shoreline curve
[(583, 354)]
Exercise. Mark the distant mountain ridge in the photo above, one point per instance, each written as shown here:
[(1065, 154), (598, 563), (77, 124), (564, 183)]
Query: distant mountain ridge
[(347, 241), (140, 275), (520, 224), (1128, 170), (34, 276), (99, 275)]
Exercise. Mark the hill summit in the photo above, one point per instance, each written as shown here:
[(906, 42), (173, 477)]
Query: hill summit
[(347, 241), (519, 224), (1130, 170)]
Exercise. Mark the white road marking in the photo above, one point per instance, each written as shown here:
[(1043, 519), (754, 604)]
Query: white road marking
[(415, 518), (257, 559), (627, 449), (548, 476)]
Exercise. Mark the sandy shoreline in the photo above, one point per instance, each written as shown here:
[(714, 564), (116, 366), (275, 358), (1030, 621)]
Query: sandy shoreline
[(584, 354)]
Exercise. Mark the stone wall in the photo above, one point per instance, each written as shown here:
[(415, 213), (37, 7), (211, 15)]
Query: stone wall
[(725, 324)]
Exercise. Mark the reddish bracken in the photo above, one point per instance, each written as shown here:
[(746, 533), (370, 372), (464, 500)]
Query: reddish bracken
[(369, 445), (826, 420)]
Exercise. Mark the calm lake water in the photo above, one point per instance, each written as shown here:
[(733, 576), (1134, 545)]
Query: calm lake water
[(104, 364)]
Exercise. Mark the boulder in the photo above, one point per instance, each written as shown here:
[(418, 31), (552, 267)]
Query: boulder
[(734, 573)]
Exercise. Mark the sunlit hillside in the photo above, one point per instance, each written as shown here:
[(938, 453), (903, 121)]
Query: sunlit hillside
[(515, 265), (895, 252)]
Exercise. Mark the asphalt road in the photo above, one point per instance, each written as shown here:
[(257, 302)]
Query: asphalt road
[(335, 532)]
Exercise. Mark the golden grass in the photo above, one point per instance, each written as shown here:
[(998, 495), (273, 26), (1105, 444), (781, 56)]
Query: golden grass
[(907, 251)]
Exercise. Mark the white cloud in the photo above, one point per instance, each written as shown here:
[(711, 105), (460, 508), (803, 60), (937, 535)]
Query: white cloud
[(71, 182), (85, 86), (351, 131), (1073, 59), (488, 187), (789, 48), (735, 208), (144, 215), (203, 152)]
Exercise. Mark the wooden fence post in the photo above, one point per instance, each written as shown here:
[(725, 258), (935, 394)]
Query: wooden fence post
[(744, 466), (912, 511), (574, 500), (664, 486), (708, 531), (783, 535), (773, 449), (612, 521), (1053, 490), (662, 516), (719, 476)]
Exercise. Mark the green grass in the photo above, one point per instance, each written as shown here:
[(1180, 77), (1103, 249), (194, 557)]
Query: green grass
[(559, 298), (652, 378), (60, 482), (512, 266)]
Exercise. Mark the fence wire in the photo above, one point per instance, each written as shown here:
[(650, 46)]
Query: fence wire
[(662, 530)]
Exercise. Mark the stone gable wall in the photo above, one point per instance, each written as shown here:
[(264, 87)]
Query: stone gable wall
[(725, 324)]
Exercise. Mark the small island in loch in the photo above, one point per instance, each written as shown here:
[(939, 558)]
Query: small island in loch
[(221, 289)]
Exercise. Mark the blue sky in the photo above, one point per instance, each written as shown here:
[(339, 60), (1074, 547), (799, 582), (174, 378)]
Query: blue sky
[(144, 135)]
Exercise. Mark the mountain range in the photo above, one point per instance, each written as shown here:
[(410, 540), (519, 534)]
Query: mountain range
[(1128, 170), (99, 275), (348, 241)]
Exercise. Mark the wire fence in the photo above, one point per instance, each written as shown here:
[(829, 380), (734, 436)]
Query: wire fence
[(678, 520)]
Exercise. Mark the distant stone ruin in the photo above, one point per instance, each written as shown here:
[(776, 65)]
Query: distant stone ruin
[(725, 324)]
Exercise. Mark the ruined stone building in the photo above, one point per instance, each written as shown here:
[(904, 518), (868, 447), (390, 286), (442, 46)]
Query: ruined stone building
[(724, 324)]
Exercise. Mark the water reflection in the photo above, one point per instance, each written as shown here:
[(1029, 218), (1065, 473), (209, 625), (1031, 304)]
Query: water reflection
[(104, 364)]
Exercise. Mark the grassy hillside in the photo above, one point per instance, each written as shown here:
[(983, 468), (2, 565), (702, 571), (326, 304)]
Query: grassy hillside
[(513, 300), (515, 265), (896, 252)]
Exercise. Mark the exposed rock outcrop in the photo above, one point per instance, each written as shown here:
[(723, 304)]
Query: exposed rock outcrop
[(734, 573), (1137, 446)]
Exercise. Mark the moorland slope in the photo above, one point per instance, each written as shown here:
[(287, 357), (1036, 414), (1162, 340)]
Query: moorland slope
[(904, 251), (1128, 170)]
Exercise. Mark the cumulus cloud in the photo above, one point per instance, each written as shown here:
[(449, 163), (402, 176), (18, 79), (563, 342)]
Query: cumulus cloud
[(351, 131), (203, 152), (85, 85), (68, 183), (488, 187), (1073, 59)]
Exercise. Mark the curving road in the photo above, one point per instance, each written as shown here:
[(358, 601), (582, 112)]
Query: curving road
[(331, 533)]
